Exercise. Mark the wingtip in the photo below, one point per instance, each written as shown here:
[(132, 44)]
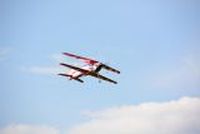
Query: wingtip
[(64, 53), (68, 54), (118, 72), (61, 74), (61, 64)]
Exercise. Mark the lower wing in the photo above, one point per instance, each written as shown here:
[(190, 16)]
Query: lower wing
[(110, 68), (102, 77), (75, 68)]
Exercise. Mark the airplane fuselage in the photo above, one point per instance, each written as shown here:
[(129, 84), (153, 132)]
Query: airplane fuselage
[(76, 74)]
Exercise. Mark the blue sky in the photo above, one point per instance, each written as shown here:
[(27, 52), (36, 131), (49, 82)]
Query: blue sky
[(155, 44)]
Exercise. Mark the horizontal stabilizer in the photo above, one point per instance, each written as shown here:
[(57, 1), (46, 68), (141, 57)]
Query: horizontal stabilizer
[(77, 79), (66, 75)]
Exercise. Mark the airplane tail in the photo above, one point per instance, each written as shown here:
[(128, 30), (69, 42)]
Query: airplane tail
[(70, 77)]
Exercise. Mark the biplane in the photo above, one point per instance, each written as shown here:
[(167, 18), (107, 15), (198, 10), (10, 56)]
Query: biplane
[(91, 68)]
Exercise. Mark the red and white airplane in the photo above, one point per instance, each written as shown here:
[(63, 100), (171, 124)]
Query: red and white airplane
[(91, 68)]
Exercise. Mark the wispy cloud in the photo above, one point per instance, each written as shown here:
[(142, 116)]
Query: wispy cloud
[(28, 129), (187, 75), (52, 69), (173, 117), (57, 57), (43, 70), (3, 52)]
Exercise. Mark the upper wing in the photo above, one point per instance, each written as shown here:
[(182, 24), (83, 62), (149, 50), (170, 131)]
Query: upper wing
[(75, 68), (102, 77), (111, 69), (87, 60)]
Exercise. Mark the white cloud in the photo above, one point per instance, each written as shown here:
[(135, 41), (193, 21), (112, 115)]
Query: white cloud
[(173, 117), (28, 129)]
